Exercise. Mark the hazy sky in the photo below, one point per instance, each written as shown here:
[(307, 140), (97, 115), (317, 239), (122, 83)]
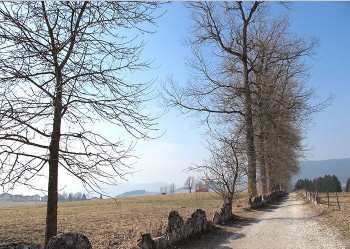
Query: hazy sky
[(166, 158)]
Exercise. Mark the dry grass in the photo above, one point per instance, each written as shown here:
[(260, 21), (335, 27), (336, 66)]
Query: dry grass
[(331, 216), (107, 223)]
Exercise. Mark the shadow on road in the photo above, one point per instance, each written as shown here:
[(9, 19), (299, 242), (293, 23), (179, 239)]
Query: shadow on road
[(210, 240)]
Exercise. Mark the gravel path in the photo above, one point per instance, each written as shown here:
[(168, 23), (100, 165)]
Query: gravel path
[(288, 225)]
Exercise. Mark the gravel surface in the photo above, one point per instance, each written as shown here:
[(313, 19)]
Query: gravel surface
[(287, 225)]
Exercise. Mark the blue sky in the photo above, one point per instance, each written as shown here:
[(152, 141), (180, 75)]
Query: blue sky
[(329, 137), (166, 159), (329, 134)]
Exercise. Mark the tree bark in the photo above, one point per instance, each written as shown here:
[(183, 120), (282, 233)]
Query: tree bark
[(268, 176), (51, 214), (262, 165), (252, 190)]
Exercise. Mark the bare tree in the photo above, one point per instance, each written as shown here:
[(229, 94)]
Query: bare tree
[(172, 188), (190, 183), (226, 166), (63, 67)]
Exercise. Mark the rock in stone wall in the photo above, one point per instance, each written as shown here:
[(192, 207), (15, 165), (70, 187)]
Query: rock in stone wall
[(146, 242), (20, 245), (160, 242), (199, 222), (266, 199), (69, 241), (224, 214), (255, 202), (176, 227)]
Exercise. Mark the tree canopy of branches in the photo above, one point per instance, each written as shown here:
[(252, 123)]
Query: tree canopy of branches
[(63, 67), (248, 70)]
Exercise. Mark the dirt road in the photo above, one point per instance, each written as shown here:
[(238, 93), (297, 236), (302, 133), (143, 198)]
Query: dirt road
[(288, 225)]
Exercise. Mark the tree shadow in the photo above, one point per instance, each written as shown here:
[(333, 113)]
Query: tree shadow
[(210, 240)]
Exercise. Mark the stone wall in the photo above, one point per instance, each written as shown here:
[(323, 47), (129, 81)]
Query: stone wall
[(69, 241), (62, 241), (177, 230), (259, 201)]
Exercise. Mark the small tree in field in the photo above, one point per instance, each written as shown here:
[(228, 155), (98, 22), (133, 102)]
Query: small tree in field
[(226, 166), (172, 188), (190, 183)]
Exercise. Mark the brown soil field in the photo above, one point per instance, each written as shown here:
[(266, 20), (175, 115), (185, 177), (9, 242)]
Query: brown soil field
[(110, 223), (331, 216)]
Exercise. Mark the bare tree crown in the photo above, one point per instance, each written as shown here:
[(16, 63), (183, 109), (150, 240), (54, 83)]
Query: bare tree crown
[(71, 56)]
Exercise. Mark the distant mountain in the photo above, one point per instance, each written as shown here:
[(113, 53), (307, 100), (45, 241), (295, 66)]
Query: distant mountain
[(133, 193), (153, 187), (313, 169)]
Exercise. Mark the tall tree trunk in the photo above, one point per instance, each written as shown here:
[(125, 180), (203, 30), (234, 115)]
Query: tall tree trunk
[(262, 165), (268, 175), (51, 214), (252, 190)]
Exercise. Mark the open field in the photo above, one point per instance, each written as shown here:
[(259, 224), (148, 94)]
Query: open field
[(338, 219), (4, 204), (107, 223)]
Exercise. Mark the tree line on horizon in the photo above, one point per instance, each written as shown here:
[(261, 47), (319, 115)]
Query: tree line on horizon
[(323, 184)]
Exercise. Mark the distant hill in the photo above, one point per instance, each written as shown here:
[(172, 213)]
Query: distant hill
[(181, 190), (122, 188), (313, 169), (133, 193)]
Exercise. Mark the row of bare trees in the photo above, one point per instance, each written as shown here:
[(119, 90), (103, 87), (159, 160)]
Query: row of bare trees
[(248, 88)]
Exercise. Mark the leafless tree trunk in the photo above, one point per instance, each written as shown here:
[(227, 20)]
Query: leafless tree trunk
[(251, 155), (62, 69), (172, 188), (190, 183)]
